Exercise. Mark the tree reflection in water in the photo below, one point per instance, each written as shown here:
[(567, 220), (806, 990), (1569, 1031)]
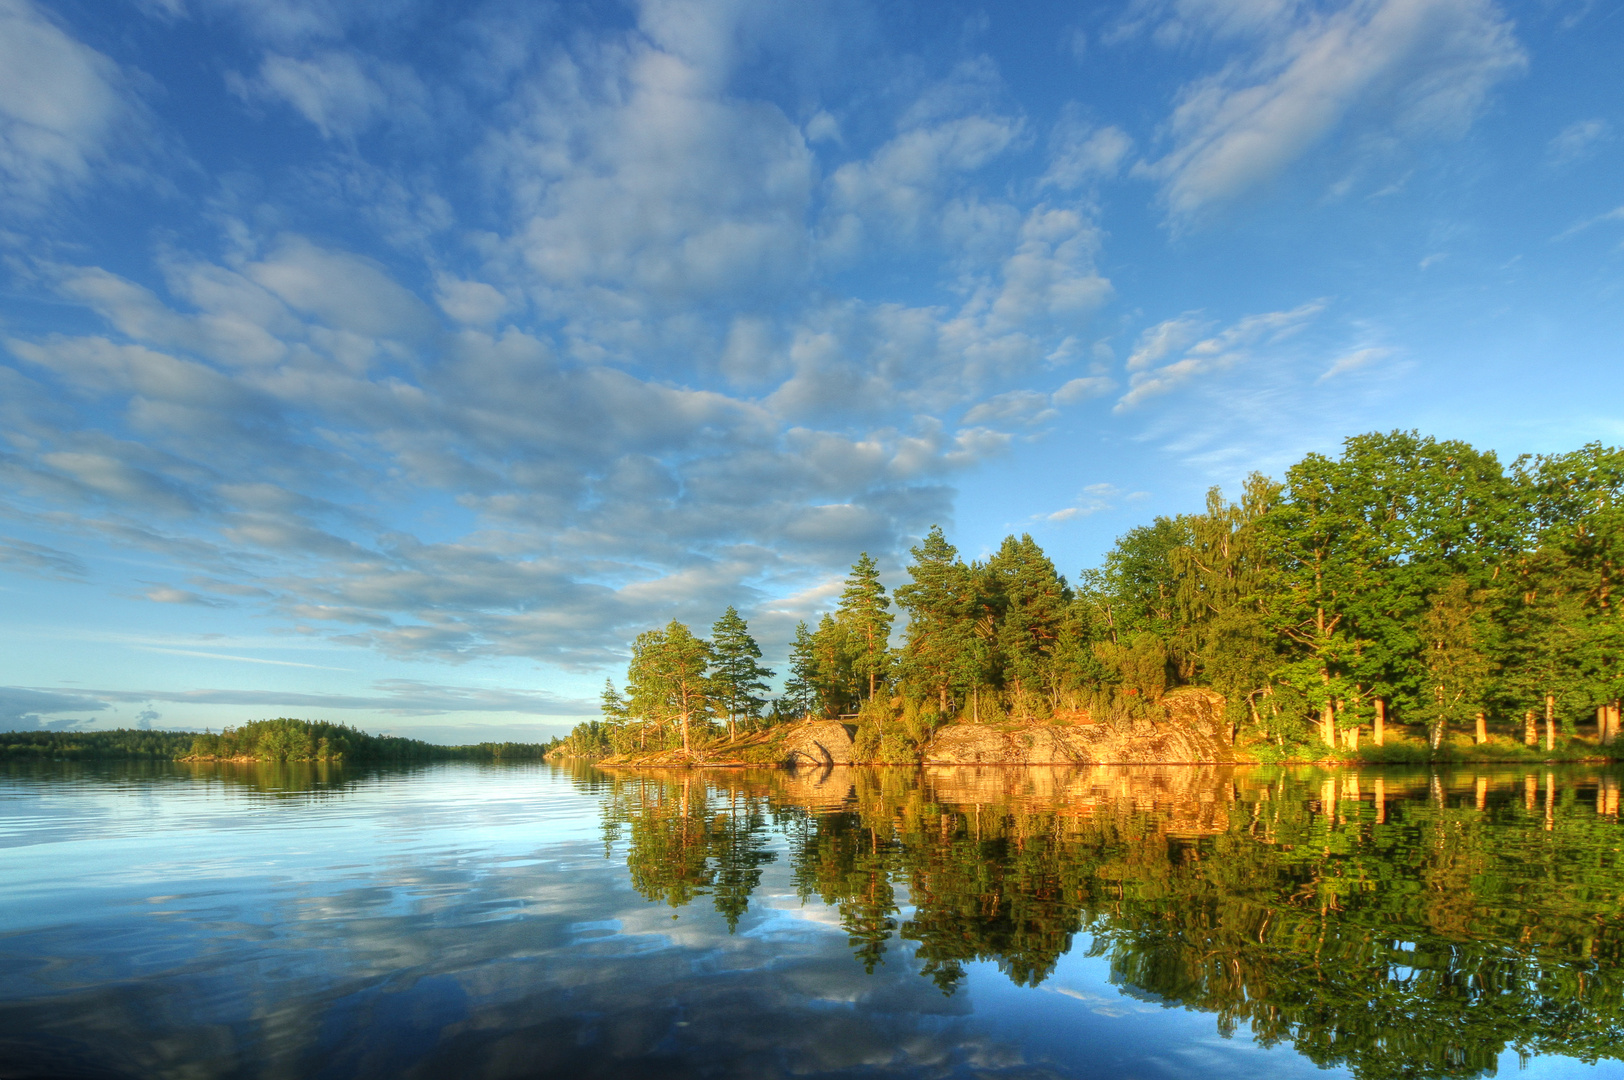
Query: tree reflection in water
[(1400, 924)]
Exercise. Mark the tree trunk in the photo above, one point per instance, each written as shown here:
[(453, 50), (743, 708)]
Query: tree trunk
[(1550, 722), (1482, 735), (1328, 725), (872, 672), (1611, 732), (1380, 734), (1530, 729), (1353, 738)]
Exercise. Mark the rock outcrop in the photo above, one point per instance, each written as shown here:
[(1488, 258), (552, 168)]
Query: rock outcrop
[(1192, 732), (1188, 728), (819, 743)]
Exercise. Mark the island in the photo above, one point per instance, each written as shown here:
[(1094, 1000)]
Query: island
[(1411, 600)]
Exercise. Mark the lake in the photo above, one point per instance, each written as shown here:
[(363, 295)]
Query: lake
[(170, 920)]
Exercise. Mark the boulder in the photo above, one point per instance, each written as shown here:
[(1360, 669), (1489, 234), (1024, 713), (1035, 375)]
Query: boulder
[(819, 743)]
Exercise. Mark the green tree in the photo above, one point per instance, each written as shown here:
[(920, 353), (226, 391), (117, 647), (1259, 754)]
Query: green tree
[(1138, 580), (1457, 666), (667, 681), (801, 684), (834, 654), (738, 681), (865, 610), (1363, 544), (938, 599), (1225, 602), (1032, 602)]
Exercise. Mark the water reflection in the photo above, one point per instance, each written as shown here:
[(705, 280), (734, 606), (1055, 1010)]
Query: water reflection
[(1399, 924), (163, 921)]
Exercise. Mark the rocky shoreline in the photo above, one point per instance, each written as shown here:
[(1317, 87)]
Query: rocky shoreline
[(1189, 729)]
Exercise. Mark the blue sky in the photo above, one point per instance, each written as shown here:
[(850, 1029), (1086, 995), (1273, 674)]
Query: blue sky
[(396, 362)]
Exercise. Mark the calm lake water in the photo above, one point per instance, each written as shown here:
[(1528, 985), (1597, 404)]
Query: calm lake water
[(456, 920)]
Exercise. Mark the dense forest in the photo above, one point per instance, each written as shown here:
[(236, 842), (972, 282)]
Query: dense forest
[(1410, 585), (261, 740), (1484, 910)]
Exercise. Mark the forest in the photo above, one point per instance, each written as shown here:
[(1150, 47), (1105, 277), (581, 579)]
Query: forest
[(1410, 588), (261, 740)]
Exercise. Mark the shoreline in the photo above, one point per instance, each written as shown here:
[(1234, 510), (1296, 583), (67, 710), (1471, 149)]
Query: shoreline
[(1190, 733)]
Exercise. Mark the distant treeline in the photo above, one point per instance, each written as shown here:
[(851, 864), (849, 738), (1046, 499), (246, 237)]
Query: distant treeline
[(262, 740), (128, 744), (1411, 581)]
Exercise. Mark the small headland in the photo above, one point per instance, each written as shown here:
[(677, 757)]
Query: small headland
[(1186, 726)]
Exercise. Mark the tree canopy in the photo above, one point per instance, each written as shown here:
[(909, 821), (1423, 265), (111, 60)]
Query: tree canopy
[(1407, 581)]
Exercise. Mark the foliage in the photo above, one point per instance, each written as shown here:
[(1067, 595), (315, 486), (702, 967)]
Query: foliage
[(123, 744), (738, 681), (1409, 580)]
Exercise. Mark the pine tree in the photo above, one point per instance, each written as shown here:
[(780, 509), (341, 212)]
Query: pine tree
[(834, 652), (801, 686), (739, 683), (938, 599), (865, 610), (1032, 603)]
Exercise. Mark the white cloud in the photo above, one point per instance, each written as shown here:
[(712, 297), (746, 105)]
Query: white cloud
[(23, 707), (1082, 389), (1091, 500), (331, 90), (1355, 360), (1080, 153), (1402, 68), (397, 697), (168, 594), (894, 194), (1577, 141), (472, 302), (1024, 408), (1215, 353), (61, 105), (1616, 214), (342, 290), (822, 128), (1051, 273), (640, 188), (599, 501), (38, 560), (1165, 338), (633, 391)]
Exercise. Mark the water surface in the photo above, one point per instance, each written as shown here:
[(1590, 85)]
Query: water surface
[(165, 920)]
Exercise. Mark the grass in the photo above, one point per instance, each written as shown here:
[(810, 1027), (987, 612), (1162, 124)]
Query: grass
[(1404, 749)]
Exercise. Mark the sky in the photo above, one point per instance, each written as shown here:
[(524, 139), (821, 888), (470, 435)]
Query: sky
[(396, 362)]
